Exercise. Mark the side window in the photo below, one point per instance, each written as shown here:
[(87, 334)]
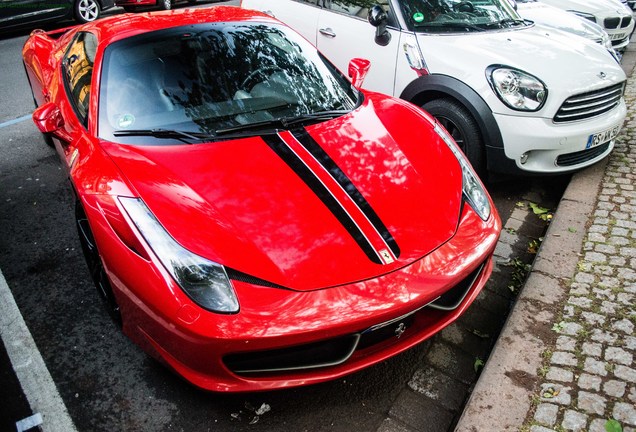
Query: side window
[(356, 8), (77, 68)]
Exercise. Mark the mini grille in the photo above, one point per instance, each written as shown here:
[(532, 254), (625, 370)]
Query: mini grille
[(576, 158), (590, 104)]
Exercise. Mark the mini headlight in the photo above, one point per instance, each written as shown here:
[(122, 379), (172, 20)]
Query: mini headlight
[(204, 281), (518, 90), (472, 189)]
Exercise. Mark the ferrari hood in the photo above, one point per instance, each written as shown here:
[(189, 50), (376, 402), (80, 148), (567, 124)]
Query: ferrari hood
[(317, 206)]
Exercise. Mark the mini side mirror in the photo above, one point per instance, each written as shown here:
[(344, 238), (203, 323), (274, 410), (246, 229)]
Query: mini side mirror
[(378, 18), (358, 68), (48, 119)]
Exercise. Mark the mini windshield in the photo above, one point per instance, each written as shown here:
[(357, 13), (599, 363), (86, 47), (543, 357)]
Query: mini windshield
[(197, 82), (455, 16)]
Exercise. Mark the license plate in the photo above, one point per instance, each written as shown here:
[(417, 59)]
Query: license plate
[(602, 137), (618, 36)]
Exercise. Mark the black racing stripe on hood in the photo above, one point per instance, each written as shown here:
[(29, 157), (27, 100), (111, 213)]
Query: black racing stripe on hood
[(325, 160), (321, 191)]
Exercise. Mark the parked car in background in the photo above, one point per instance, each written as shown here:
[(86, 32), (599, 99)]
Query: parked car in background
[(552, 17), (251, 217), (515, 98), (133, 5), (16, 14), (615, 17)]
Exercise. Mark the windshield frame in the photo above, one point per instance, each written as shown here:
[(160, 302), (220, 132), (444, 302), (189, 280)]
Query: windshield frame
[(341, 92)]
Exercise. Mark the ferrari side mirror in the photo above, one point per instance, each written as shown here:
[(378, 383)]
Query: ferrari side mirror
[(358, 68), (48, 119)]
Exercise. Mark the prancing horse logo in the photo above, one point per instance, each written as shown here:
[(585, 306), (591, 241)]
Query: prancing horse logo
[(400, 329)]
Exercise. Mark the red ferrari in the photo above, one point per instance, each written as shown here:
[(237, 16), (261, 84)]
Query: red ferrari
[(250, 216)]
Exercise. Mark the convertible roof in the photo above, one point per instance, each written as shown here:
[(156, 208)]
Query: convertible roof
[(126, 25)]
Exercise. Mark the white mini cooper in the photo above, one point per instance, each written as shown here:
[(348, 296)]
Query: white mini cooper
[(516, 97)]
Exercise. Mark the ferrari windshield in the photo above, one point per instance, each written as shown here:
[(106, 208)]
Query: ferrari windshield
[(195, 83), (455, 16)]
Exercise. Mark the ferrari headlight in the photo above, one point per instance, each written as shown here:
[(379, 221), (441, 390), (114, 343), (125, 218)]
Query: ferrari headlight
[(472, 189), (518, 90), (204, 281)]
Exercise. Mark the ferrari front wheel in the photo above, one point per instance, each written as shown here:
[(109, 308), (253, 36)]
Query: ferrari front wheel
[(87, 10), (95, 265)]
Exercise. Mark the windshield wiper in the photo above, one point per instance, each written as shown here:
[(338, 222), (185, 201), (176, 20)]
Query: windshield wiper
[(455, 25), (509, 22), (285, 122), (183, 136)]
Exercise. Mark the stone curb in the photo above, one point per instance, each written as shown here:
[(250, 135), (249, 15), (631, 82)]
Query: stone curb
[(502, 395)]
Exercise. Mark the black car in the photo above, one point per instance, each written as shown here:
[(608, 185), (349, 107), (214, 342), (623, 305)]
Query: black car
[(15, 14)]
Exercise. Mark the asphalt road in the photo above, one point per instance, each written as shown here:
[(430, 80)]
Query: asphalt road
[(107, 382)]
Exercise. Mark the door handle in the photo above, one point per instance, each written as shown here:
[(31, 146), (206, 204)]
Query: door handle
[(327, 32)]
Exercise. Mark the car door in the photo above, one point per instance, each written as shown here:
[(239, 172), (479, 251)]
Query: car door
[(13, 12), (301, 15), (18, 12), (344, 33)]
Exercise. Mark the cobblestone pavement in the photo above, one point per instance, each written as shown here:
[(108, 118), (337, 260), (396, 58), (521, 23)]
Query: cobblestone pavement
[(588, 377)]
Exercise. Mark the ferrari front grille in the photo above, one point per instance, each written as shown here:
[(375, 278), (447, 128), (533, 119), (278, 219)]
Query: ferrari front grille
[(590, 104), (326, 353), (335, 351), (454, 296)]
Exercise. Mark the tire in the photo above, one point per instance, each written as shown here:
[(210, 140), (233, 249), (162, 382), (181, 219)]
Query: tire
[(86, 10), (461, 125), (165, 4), (95, 265), (130, 8)]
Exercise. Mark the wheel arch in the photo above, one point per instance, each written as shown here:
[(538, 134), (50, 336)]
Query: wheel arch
[(430, 87)]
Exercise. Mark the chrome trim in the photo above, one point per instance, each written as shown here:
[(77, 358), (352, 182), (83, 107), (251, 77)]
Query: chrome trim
[(580, 99), (587, 113)]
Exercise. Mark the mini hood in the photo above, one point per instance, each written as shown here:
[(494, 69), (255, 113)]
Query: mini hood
[(323, 205)]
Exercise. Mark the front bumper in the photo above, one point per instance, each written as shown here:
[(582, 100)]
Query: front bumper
[(200, 345), (619, 36), (549, 147)]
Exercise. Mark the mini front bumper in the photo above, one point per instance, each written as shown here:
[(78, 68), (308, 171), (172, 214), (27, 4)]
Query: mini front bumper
[(539, 145)]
